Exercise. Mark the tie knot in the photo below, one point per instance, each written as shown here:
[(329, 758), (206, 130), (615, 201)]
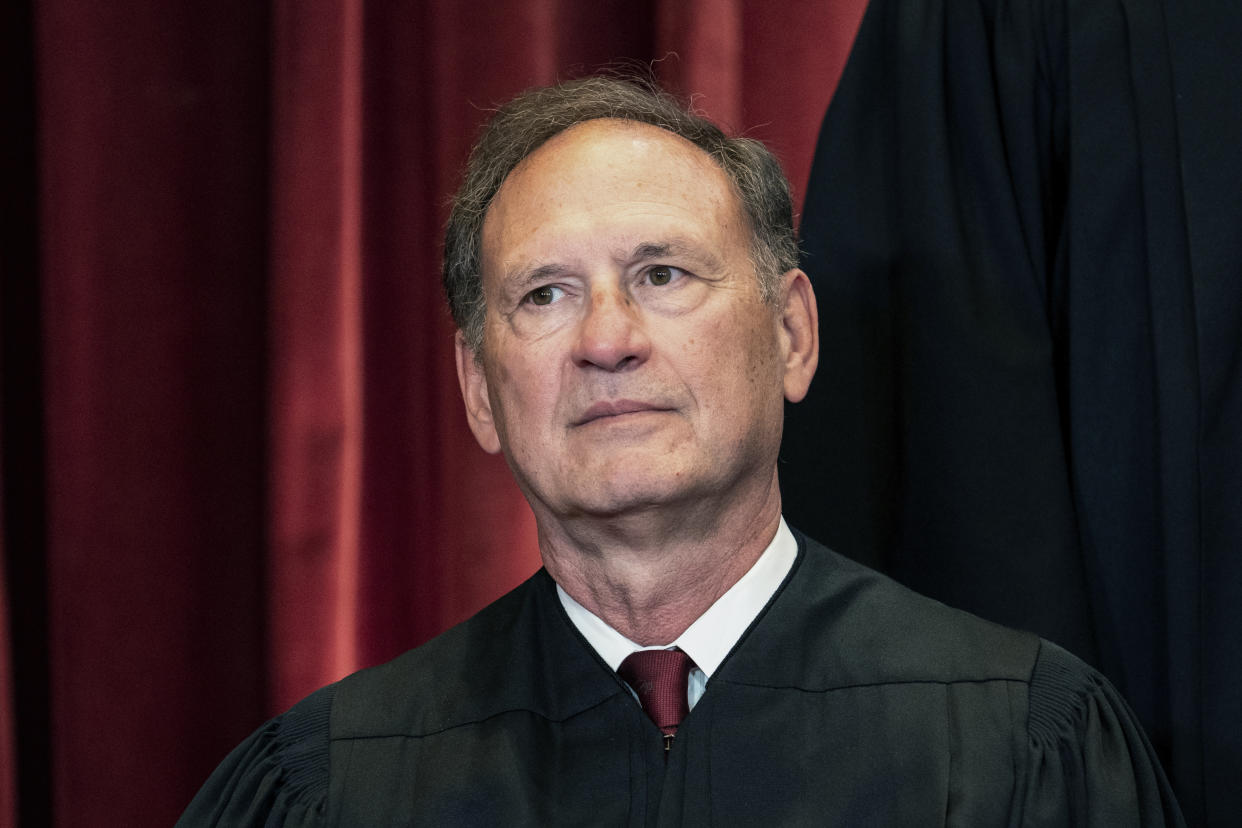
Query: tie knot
[(659, 678)]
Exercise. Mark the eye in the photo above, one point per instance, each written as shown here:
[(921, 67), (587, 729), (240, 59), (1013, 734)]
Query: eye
[(660, 275), (545, 295)]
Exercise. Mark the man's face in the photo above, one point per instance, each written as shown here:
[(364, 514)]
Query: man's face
[(628, 359)]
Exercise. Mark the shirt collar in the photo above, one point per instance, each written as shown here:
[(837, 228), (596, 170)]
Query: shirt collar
[(710, 638)]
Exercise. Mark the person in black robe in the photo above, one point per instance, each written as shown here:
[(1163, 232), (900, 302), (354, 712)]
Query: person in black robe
[(851, 701), (631, 321), (1024, 228)]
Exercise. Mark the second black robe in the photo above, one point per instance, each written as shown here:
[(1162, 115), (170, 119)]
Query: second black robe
[(1024, 229)]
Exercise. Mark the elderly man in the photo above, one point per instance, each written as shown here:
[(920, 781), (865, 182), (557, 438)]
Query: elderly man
[(632, 320)]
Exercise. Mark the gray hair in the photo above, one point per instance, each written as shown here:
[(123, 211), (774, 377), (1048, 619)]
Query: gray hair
[(529, 120)]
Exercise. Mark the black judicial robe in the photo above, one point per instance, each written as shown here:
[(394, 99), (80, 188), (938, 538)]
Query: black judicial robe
[(849, 701), (1024, 229)]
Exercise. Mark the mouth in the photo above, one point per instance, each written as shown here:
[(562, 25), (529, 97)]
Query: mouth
[(610, 409)]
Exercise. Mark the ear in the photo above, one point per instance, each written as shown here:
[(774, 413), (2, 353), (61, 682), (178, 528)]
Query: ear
[(473, 382), (799, 333)]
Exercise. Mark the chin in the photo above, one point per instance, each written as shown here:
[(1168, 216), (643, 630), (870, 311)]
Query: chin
[(621, 498), (613, 505)]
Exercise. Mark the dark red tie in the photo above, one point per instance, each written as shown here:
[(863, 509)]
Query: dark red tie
[(659, 678)]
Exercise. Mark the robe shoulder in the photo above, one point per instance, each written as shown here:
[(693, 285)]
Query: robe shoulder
[(276, 777), (489, 665), (484, 667), (1089, 761), (1078, 753), (836, 623)]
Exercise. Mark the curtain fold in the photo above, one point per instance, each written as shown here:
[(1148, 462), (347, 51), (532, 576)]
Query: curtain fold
[(151, 125), (314, 316)]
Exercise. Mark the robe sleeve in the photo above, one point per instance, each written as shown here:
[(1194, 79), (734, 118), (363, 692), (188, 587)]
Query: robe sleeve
[(1089, 762), (276, 777)]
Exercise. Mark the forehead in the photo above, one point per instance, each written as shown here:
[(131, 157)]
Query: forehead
[(605, 177)]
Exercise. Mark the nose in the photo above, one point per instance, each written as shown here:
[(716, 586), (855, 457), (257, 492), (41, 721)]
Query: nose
[(611, 335)]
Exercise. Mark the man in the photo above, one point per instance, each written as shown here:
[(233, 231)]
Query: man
[(631, 321)]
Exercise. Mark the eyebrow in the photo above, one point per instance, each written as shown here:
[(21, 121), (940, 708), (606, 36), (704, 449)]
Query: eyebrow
[(517, 280), (520, 277), (675, 247)]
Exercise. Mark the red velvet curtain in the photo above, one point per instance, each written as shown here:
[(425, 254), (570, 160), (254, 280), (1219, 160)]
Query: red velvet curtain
[(235, 461)]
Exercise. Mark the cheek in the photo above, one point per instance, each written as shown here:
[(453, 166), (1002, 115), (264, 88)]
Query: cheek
[(734, 366), (754, 346), (503, 375), (507, 369), (524, 396)]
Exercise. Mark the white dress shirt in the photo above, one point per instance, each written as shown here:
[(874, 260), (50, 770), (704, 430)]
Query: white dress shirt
[(710, 638)]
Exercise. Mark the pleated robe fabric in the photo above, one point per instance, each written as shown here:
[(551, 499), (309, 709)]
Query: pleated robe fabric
[(1024, 229), (849, 701)]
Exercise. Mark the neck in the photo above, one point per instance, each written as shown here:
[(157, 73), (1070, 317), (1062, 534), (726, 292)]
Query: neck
[(650, 575)]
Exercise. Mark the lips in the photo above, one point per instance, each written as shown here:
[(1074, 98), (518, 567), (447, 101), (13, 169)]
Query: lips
[(615, 408)]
